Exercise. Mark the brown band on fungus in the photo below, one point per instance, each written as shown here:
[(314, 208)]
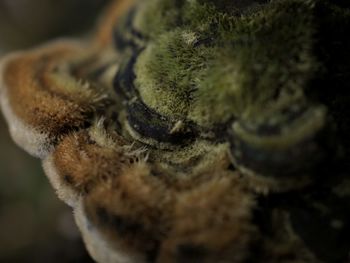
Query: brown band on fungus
[(133, 211), (204, 231), (88, 158), (41, 99)]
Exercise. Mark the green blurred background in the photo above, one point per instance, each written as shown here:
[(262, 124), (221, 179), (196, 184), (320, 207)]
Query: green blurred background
[(34, 225)]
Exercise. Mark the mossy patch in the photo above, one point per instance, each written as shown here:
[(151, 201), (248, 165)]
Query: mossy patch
[(169, 70), (155, 17), (248, 58), (212, 61), (262, 57)]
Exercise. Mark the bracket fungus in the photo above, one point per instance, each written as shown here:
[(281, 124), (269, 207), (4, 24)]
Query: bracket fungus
[(196, 130)]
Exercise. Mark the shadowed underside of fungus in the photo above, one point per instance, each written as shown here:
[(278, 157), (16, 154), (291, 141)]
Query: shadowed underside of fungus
[(196, 130)]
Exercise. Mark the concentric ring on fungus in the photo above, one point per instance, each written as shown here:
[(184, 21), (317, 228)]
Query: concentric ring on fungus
[(196, 131)]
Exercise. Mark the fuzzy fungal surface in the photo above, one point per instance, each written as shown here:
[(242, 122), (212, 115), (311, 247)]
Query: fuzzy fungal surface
[(196, 130)]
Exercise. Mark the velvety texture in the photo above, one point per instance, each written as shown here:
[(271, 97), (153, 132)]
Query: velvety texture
[(208, 131)]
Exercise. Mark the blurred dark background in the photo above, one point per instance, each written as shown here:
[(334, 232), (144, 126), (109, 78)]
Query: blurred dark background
[(34, 225)]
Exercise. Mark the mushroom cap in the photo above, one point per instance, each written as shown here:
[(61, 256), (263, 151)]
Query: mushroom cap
[(195, 131)]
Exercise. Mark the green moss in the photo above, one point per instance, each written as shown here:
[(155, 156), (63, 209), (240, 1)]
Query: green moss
[(234, 7), (157, 16), (200, 18), (211, 61), (264, 55), (169, 70)]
